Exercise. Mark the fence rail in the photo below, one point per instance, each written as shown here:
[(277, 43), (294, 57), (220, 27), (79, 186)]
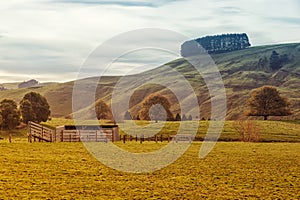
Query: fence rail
[(86, 136), (40, 133), (159, 138)]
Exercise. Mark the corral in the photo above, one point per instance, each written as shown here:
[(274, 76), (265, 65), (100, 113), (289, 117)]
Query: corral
[(72, 133)]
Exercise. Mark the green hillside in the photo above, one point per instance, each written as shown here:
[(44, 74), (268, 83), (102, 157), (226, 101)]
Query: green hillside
[(241, 70)]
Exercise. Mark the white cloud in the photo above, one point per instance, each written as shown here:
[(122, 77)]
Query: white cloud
[(42, 37)]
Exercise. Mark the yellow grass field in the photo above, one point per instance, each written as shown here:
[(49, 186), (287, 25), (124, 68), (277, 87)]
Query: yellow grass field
[(233, 170)]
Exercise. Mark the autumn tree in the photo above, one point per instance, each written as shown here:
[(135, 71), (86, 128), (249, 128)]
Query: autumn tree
[(34, 107), (10, 114), (266, 101), (156, 107), (103, 111), (138, 117)]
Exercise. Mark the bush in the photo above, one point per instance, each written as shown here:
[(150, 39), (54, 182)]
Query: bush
[(248, 130)]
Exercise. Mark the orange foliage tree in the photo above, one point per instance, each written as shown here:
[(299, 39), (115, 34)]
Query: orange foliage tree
[(156, 107), (103, 111)]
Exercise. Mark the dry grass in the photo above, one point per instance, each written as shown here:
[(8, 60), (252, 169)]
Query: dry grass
[(230, 171)]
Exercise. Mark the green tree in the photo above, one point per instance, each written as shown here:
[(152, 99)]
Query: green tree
[(177, 117), (275, 62), (190, 118), (34, 107), (9, 113), (156, 107), (1, 120), (183, 117), (266, 101), (103, 111), (27, 111), (127, 115)]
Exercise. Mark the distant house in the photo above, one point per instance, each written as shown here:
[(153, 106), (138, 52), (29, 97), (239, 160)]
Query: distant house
[(2, 88), (28, 84)]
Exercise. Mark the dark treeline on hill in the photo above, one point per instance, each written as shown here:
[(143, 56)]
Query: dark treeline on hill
[(215, 44)]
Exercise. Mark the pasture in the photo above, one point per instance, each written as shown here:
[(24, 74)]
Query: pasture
[(270, 131), (233, 170)]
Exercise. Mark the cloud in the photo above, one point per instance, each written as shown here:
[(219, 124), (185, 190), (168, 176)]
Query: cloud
[(287, 20), (51, 39), (127, 3)]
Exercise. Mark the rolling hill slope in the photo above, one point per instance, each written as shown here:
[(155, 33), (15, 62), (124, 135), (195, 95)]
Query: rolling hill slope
[(241, 71)]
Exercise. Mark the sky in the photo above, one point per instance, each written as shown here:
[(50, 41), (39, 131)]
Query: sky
[(50, 40)]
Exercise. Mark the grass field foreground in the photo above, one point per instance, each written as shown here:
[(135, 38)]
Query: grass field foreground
[(231, 171)]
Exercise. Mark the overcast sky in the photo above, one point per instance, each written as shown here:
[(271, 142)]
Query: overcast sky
[(49, 40)]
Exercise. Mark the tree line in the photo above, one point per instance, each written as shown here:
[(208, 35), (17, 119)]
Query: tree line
[(33, 107), (215, 44), (264, 101)]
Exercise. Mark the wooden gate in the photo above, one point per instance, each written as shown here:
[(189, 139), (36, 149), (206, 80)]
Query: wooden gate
[(40, 133)]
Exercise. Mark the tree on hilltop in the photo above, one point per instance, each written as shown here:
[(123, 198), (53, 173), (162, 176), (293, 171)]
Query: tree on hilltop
[(266, 101)]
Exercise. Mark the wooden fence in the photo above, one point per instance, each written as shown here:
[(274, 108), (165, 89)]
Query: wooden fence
[(86, 136), (159, 138), (40, 133)]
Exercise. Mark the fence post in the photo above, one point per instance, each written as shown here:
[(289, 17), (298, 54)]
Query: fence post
[(42, 134), (124, 139), (29, 133), (51, 137), (61, 135), (141, 139)]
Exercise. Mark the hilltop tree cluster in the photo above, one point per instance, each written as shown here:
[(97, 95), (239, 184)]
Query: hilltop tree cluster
[(215, 44), (33, 107)]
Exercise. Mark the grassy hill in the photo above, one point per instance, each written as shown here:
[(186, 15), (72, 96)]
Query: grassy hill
[(241, 71)]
